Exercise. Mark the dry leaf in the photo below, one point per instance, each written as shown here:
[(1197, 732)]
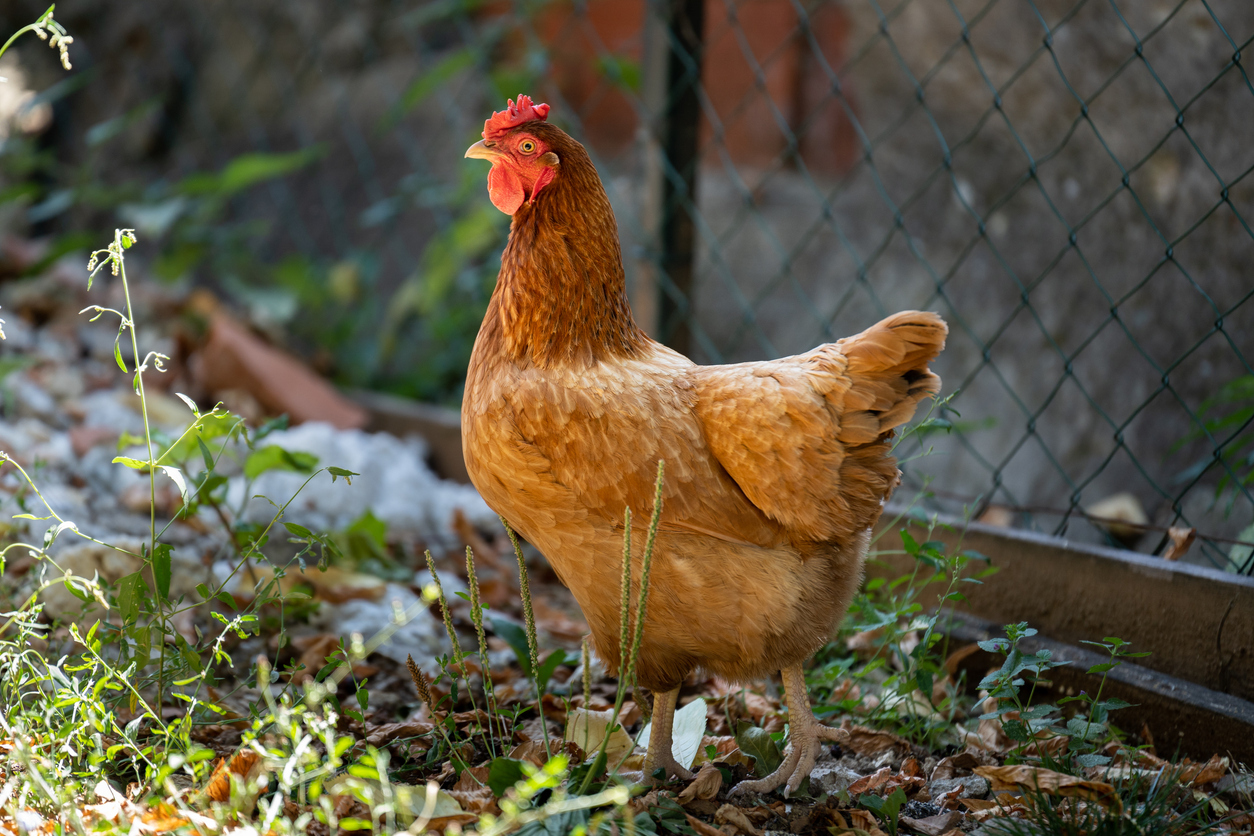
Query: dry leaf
[(702, 828), (556, 623), (472, 791), (864, 741), (727, 814), (870, 783), (949, 767), (1198, 775), (989, 735), (587, 729), (384, 734), (704, 786), (1181, 539), (953, 660), (864, 821), (245, 765), (949, 801), (1024, 778), (933, 825)]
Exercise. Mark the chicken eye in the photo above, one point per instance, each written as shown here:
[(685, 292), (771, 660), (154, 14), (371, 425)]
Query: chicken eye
[(527, 146)]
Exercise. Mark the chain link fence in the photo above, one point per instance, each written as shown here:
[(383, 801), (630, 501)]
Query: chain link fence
[(1066, 181)]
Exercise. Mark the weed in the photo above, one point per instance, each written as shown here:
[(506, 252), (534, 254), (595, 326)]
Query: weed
[(900, 652), (1033, 724)]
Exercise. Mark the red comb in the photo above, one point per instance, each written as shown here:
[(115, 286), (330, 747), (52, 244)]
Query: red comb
[(513, 116)]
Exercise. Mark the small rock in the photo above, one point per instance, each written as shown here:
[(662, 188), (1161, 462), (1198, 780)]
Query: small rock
[(933, 825), (83, 439), (1235, 787), (973, 786), (831, 778), (30, 399)]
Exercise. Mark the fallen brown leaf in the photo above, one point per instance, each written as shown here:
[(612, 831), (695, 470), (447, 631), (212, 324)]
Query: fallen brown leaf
[(950, 766), (384, 734), (864, 821), (1181, 539), (933, 825), (557, 623), (245, 765), (1027, 778), (949, 801), (864, 741), (472, 791), (728, 814), (702, 828), (870, 783), (1198, 775), (725, 751), (704, 786)]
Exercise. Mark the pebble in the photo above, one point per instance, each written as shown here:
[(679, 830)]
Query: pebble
[(831, 778), (973, 786), (395, 484)]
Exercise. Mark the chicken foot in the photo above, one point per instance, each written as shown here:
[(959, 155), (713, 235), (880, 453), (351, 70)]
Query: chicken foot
[(661, 737), (805, 734)]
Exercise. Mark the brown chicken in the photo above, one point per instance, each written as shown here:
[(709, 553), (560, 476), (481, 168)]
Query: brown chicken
[(775, 471)]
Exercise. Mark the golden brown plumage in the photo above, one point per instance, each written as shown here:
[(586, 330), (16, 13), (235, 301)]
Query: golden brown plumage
[(775, 471)]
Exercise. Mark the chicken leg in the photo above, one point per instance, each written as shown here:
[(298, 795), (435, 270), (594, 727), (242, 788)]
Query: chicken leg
[(804, 735), (660, 739)]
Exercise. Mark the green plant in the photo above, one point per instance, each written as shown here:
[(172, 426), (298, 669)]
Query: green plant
[(46, 29), (887, 808), (633, 629), (906, 649), (1037, 723)]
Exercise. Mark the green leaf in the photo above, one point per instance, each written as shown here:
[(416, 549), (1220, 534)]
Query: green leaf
[(1016, 731), (176, 476), (298, 530), (923, 678), (248, 170), (756, 742), (191, 404), (430, 80), (133, 464), (117, 355), (274, 457), (504, 773), (516, 638), (375, 529), (161, 569), (130, 596), (205, 454), (347, 475), (547, 667), (911, 545)]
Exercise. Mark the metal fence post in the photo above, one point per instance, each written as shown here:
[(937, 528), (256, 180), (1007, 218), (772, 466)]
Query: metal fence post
[(684, 21)]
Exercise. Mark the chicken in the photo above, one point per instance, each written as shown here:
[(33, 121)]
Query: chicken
[(775, 471)]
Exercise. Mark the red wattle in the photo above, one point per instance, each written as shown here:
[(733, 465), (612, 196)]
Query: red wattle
[(505, 189)]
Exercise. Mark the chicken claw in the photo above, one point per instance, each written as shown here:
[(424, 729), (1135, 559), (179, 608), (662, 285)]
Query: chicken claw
[(804, 734), (660, 752)]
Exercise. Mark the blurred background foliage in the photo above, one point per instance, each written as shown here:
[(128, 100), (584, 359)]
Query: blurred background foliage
[(1065, 180)]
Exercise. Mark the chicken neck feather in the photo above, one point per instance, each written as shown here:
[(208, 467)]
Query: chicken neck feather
[(561, 297)]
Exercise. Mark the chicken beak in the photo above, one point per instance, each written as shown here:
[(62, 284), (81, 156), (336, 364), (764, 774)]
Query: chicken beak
[(481, 151)]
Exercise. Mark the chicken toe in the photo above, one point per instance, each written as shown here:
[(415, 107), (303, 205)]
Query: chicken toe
[(661, 736), (805, 734)]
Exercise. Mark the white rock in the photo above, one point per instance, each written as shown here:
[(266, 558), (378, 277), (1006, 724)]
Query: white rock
[(831, 777), (417, 634), (395, 485)]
